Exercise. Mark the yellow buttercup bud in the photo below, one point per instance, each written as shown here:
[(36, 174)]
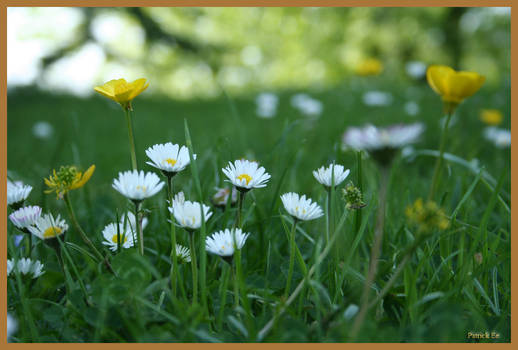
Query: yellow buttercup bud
[(122, 92), (453, 86), (491, 116), (67, 178)]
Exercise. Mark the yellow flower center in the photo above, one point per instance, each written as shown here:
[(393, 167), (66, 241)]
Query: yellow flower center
[(141, 188), (52, 231), (115, 240), (247, 177), (170, 161)]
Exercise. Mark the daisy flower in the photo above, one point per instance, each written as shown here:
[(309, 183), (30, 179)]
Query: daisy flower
[(25, 217), (169, 158), (46, 227), (300, 207), (500, 137), (381, 142), (220, 198), (17, 192), (246, 175), (222, 243), (127, 230), (333, 174), (137, 185), (26, 267), (111, 238), (188, 214), (183, 254)]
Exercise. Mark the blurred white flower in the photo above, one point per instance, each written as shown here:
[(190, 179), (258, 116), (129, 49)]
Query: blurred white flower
[(42, 130), (266, 105), (500, 137), (307, 105), (377, 98), (301, 208), (220, 198), (415, 69), (26, 267), (12, 326), (412, 108), (372, 138)]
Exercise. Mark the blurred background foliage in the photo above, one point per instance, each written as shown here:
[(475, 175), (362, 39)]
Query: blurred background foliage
[(195, 52)]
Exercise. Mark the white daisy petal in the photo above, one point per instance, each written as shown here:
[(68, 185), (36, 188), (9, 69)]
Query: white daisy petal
[(17, 192), (300, 207), (137, 185), (168, 157), (334, 171), (46, 227), (246, 175), (25, 217), (222, 243), (188, 214)]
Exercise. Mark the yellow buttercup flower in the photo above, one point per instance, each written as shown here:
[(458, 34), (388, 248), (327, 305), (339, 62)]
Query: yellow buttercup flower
[(427, 216), (453, 86), (491, 116), (369, 66), (121, 91), (67, 178)]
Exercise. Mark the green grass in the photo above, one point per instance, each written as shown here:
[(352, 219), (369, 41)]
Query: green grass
[(441, 295)]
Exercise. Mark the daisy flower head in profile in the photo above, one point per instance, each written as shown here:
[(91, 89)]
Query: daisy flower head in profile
[(169, 158), (245, 175), (26, 267), (25, 217), (222, 242), (188, 214), (136, 185), (183, 254), (381, 143), (300, 207), (47, 228), (17, 193), (334, 174)]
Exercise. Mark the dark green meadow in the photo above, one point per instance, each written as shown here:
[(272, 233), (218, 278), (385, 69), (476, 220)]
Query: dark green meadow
[(442, 294)]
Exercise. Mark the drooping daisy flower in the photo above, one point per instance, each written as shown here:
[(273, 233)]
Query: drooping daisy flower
[(500, 137), (300, 207), (220, 198), (188, 214), (222, 243), (381, 142), (246, 175), (121, 91), (26, 267), (67, 178), (137, 185), (325, 175), (46, 227), (183, 254), (169, 158), (17, 192), (25, 217), (111, 239)]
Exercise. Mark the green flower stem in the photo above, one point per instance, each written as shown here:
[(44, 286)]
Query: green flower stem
[(174, 266), (292, 257), (438, 161), (131, 139), (194, 268), (236, 285), (140, 234), (240, 200), (375, 253), (223, 295), (83, 234)]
